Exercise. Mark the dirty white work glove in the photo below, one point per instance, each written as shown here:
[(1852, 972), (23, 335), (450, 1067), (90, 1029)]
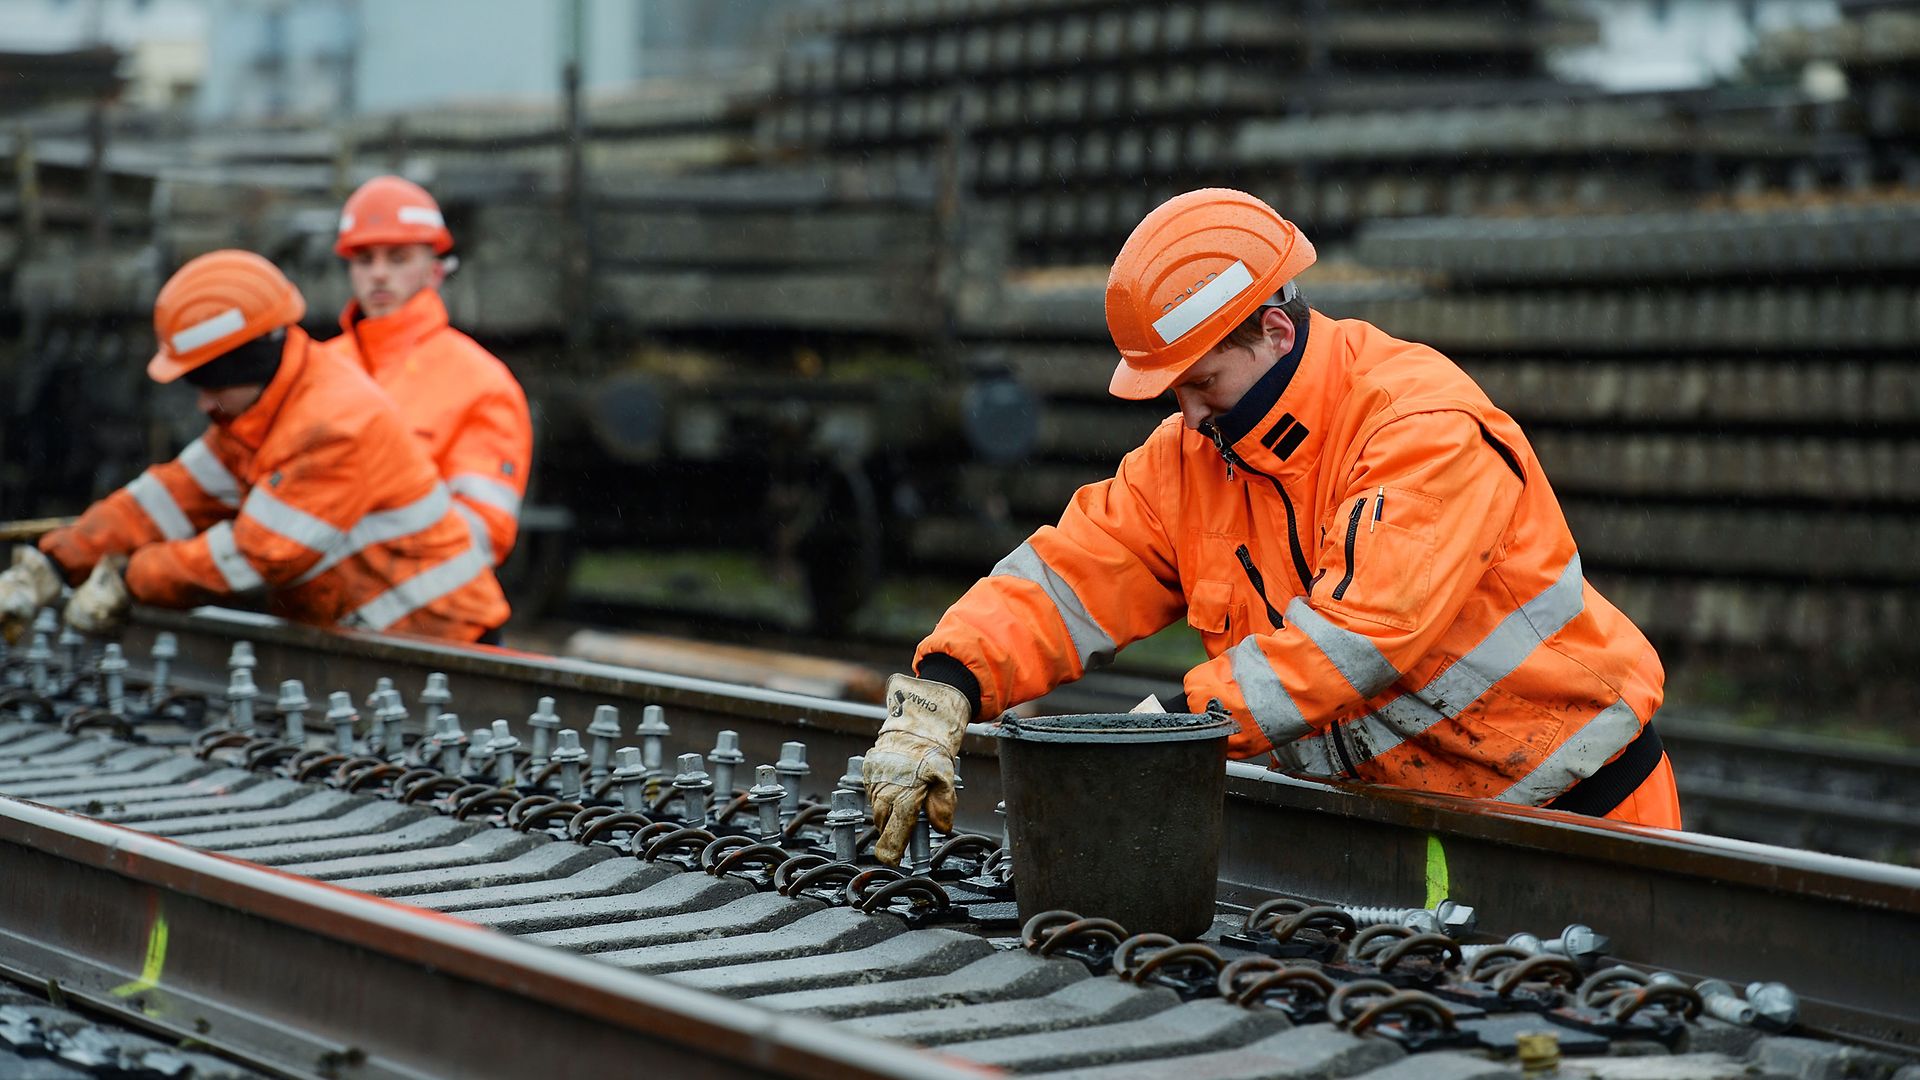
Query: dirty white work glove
[(911, 763), (101, 602), (31, 583)]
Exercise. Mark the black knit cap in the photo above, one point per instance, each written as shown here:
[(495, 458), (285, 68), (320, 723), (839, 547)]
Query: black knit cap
[(251, 363)]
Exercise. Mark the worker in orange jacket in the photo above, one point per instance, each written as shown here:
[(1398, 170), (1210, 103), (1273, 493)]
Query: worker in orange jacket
[(1366, 545), (464, 405), (307, 487)]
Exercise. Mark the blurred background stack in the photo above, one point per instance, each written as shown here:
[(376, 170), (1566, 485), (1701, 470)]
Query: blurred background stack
[(808, 294)]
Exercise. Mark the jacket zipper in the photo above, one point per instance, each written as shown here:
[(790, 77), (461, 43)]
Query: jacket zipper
[(1259, 585), (1233, 461), (1353, 533)]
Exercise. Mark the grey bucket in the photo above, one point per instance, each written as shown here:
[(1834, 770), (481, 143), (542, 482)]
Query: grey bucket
[(1117, 815)]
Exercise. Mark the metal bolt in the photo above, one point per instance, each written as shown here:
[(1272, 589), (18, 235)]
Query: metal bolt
[(920, 847), (241, 656), (544, 722), (792, 768), (479, 752), (292, 707), (1526, 943), (695, 788), (1721, 1002), (39, 656), (653, 732), (166, 648), (435, 698), (843, 824), (766, 795), (389, 716), (341, 714), (629, 772), (724, 756), (855, 778), (568, 755), (503, 745), (382, 686), (1006, 834), (70, 642), (1777, 1005), (605, 730), (1580, 944), (46, 623), (240, 695), (451, 738), (113, 672), (1445, 917)]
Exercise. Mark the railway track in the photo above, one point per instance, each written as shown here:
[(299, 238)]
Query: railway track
[(1843, 799), (287, 901)]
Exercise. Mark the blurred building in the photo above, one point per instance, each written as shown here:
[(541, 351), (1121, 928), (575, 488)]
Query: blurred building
[(1676, 44), (165, 41)]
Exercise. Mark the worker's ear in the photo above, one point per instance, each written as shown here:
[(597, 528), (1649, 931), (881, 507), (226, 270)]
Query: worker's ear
[(1279, 329), (442, 269)]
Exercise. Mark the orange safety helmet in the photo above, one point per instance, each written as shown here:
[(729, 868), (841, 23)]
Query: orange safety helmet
[(219, 301), (391, 210), (1189, 273)]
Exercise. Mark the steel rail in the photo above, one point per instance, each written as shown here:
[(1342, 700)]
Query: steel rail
[(1841, 931), (326, 982)]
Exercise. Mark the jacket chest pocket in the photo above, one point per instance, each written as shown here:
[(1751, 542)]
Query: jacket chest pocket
[(1213, 610), (1381, 557)]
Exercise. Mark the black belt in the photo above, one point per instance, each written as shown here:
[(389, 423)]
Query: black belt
[(1597, 795)]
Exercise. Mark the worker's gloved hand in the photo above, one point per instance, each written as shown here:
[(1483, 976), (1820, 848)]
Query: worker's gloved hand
[(101, 602), (31, 583), (911, 763)]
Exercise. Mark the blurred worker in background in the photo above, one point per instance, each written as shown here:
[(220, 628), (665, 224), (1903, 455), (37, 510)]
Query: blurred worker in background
[(307, 487), (1367, 546), (466, 408)]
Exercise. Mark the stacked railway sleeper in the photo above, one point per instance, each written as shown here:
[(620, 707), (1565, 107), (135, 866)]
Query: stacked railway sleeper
[(729, 873)]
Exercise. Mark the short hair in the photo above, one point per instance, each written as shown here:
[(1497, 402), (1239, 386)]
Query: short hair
[(1250, 333)]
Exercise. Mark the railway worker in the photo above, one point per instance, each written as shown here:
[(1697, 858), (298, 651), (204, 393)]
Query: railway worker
[(1366, 545), (459, 399), (307, 487)]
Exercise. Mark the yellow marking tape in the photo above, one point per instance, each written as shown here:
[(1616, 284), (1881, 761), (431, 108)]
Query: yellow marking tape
[(156, 959), (1436, 872)]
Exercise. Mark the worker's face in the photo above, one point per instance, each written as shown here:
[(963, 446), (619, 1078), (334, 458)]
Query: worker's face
[(224, 405), (1217, 381), (385, 276)]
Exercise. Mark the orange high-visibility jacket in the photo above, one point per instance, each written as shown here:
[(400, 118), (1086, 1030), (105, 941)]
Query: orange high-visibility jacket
[(459, 399), (1383, 579), (317, 495)]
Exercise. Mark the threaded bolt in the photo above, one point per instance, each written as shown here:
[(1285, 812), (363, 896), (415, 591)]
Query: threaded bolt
[(39, 657), (653, 732), (605, 731), (568, 755), (792, 769), (1721, 1002), (1580, 944), (629, 774), (504, 746), (241, 693), (766, 796), (724, 758), (1776, 1005), (452, 740), (843, 824), (434, 699), (341, 714), (166, 648), (241, 656), (695, 788), (543, 723), (70, 642), (479, 753), (113, 672), (292, 706)]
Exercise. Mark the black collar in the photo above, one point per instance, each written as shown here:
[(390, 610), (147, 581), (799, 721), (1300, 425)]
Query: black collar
[(1263, 395)]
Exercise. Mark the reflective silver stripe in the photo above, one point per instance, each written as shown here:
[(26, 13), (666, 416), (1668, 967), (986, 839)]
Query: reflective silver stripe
[(1096, 649), (1496, 656), (385, 525), (1356, 657), (421, 215), (1207, 299), (476, 525), (1510, 643), (240, 574), (208, 331), (1272, 707), (486, 490), (1579, 757), (207, 470), (157, 501), (295, 524), (419, 590)]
